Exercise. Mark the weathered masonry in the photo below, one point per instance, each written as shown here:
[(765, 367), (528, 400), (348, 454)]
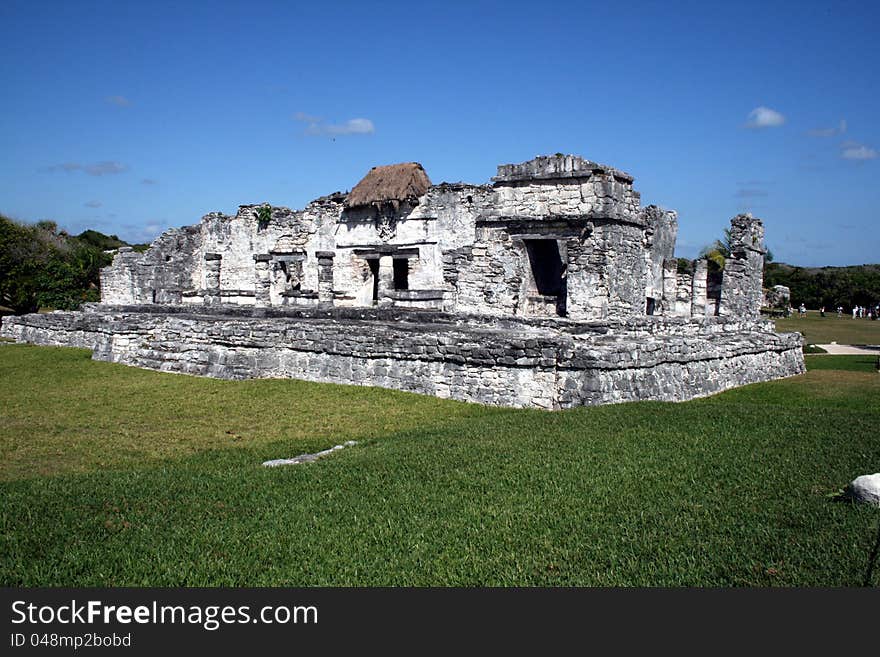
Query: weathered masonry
[(551, 287)]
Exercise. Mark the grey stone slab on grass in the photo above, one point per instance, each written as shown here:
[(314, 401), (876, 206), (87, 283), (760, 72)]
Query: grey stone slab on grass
[(308, 458)]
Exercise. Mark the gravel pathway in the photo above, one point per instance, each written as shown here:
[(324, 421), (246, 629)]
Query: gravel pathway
[(850, 349)]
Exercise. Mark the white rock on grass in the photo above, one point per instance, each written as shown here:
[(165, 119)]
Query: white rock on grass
[(308, 458), (866, 489)]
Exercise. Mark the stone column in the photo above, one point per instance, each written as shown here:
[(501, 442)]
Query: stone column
[(741, 284), (698, 292), (212, 278), (325, 276), (670, 283), (386, 280), (262, 281)]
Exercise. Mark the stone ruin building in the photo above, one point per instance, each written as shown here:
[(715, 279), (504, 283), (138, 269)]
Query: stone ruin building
[(551, 287)]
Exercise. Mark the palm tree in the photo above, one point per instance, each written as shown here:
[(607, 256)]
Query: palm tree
[(719, 251)]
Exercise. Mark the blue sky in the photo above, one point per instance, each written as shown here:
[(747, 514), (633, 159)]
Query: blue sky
[(134, 117)]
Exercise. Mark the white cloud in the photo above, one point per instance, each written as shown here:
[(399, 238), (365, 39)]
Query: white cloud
[(119, 101), (96, 169), (317, 126), (351, 127), (850, 150), (149, 181), (93, 204), (764, 117), (306, 118), (829, 132)]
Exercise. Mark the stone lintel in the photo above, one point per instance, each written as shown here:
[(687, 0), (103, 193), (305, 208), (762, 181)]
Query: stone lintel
[(301, 294), (294, 253), (531, 222), (386, 250), (542, 236)]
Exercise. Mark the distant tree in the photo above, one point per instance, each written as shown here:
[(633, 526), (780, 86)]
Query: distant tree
[(827, 286), (684, 266), (100, 240)]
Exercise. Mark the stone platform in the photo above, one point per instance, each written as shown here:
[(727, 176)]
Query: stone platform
[(551, 364)]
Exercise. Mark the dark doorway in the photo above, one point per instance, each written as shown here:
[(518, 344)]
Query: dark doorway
[(374, 270), (546, 266), (650, 305), (401, 274)]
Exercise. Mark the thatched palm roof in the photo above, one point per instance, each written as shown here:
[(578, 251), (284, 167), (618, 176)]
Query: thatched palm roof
[(393, 184)]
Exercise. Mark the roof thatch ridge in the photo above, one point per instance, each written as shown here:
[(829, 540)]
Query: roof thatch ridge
[(392, 183)]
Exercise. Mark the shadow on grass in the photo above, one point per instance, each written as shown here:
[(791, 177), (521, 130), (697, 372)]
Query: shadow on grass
[(872, 560), (846, 496)]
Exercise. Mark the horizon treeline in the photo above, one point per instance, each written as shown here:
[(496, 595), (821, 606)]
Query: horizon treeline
[(828, 287), (42, 267)]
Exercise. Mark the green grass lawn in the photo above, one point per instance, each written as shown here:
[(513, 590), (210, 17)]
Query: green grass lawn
[(116, 476), (831, 328)]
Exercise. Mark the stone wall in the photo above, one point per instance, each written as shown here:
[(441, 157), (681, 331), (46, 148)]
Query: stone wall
[(121, 282), (540, 363), (606, 272), (487, 276), (160, 275)]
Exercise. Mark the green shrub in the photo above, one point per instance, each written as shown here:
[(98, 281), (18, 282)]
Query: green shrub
[(264, 215), (42, 267)]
